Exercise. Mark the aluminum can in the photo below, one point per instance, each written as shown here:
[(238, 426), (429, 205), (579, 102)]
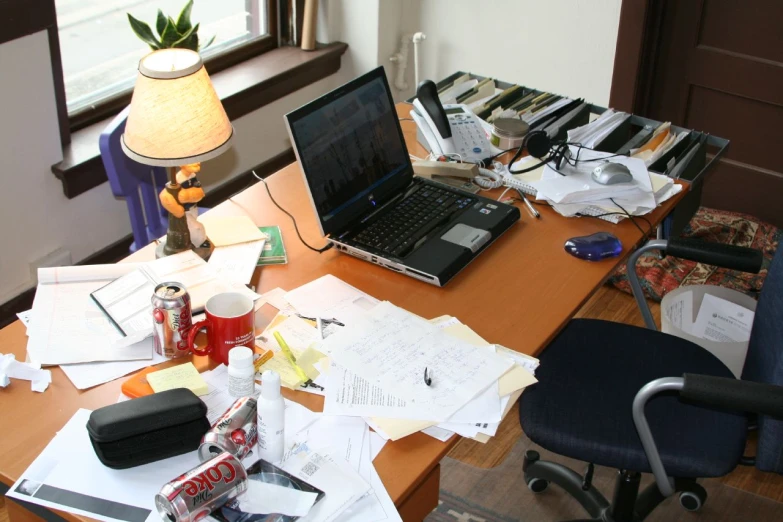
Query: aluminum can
[(236, 431), (197, 493), (171, 319)]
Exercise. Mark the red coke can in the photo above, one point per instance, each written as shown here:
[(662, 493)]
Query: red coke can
[(171, 319), (236, 431), (197, 493)]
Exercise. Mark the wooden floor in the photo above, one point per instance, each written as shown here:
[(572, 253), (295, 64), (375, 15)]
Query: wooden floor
[(609, 304)]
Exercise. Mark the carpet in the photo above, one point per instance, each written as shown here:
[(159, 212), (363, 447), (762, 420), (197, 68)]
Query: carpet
[(470, 494), (660, 276)]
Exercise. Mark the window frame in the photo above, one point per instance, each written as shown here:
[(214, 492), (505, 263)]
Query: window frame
[(112, 105)]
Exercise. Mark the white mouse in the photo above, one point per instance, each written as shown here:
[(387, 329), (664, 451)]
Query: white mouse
[(612, 174)]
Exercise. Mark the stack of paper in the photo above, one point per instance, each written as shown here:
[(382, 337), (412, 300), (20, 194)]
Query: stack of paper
[(593, 133)]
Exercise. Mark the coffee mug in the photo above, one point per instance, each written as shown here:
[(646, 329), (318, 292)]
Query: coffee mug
[(229, 324)]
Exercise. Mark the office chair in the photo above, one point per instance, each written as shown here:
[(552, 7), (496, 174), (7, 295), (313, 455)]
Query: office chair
[(643, 401)]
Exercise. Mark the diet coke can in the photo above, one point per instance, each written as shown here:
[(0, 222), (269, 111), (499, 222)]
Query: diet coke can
[(197, 493), (236, 431), (171, 319)]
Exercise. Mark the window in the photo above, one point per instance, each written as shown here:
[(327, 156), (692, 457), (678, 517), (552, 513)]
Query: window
[(100, 52)]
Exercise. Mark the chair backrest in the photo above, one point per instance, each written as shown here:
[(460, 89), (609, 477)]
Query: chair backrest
[(138, 184), (764, 362)]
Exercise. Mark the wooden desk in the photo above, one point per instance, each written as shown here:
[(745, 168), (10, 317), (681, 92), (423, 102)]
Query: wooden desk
[(519, 293)]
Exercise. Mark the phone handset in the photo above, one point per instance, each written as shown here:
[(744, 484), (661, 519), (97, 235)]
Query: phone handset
[(435, 125), (453, 130)]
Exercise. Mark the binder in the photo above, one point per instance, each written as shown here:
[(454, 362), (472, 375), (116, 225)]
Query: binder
[(615, 139), (661, 164), (571, 117), (639, 139)]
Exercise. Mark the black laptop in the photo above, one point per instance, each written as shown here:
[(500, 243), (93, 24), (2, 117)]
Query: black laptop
[(369, 204)]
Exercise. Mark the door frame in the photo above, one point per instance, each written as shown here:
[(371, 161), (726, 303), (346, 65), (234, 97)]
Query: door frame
[(636, 54)]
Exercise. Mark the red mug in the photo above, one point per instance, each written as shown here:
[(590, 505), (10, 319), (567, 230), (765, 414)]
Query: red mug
[(229, 323)]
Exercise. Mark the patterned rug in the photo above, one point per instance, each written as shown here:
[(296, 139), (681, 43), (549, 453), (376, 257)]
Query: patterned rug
[(660, 276), (499, 494)]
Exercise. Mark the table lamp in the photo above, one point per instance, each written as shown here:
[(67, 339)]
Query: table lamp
[(176, 120)]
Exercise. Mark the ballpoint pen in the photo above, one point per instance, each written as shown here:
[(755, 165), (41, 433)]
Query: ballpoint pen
[(533, 212)]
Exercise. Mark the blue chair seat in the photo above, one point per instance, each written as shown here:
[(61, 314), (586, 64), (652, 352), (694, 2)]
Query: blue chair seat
[(581, 406)]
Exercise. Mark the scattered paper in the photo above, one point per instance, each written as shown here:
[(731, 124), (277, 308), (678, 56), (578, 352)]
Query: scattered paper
[(299, 335), (387, 348), (25, 317), (263, 498), (342, 485), (329, 297), (276, 298), (376, 444), (87, 375), (236, 262), (230, 230), (722, 321), (438, 433), (10, 368)]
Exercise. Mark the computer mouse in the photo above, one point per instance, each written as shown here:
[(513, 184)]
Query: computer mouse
[(612, 174), (594, 247)]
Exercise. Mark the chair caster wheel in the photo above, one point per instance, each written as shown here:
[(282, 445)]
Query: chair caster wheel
[(537, 485), (693, 500)]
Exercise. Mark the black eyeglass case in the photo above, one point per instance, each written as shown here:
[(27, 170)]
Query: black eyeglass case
[(150, 428)]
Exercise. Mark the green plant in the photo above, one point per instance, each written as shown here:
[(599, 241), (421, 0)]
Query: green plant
[(181, 34)]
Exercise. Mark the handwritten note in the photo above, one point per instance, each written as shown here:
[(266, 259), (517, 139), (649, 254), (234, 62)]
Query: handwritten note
[(391, 347), (181, 376)]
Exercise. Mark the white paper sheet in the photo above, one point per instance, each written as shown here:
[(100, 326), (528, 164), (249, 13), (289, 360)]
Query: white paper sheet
[(342, 437), (69, 327), (376, 444), (25, 317), (329, 297), (386, 347), (438, 433), (87, 375), (264, 498), (722, 321), (276, 298), (342, 484), (680, 311), (69, 464), (236, 262)]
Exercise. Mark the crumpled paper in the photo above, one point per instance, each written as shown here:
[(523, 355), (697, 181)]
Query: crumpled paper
[(10, 368)]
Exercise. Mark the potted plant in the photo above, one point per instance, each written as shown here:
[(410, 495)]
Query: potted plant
[(180, 33)]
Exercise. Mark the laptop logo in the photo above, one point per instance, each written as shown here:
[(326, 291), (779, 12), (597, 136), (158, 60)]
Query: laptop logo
[(372, 200)]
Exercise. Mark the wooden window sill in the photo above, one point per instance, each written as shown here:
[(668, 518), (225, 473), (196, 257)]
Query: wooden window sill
[(242, 88)]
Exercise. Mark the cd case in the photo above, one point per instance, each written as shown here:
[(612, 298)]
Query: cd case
[(263, 471)]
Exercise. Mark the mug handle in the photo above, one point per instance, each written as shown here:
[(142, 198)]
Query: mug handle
[(194, 330)]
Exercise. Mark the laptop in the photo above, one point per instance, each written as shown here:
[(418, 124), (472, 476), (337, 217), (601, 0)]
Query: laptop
[(369, 204)]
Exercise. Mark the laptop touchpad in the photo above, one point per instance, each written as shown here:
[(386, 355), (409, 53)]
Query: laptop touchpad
[(466, 236)]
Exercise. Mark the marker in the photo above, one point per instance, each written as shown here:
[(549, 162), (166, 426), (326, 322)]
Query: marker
[(290, 356), (427, 377)]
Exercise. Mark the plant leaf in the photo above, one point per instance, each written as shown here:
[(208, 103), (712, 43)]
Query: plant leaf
[(169, 35), (209, 42), (144, 32), (183, 22), (161, 22), (183, 42)]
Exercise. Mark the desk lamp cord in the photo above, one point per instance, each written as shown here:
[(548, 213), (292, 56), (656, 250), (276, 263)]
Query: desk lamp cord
[(296, 228)]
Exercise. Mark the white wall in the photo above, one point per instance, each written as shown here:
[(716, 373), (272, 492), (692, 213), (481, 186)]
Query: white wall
[(38, 219), (563, 46)]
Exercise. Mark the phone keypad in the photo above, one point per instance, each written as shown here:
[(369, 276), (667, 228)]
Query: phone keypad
[(470, 137)]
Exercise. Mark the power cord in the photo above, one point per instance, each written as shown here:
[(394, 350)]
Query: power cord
[(319, 250)]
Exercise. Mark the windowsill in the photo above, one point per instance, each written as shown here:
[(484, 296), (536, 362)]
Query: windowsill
[(242, 88)]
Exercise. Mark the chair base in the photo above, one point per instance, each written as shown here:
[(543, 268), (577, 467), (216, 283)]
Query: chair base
[(628, 505)]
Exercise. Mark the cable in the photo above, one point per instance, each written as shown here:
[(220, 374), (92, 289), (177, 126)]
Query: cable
[(319, 250)]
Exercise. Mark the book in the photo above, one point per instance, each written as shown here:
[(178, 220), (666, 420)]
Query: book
[(273, 252)]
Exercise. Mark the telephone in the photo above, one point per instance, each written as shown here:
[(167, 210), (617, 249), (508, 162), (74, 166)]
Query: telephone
[(449, 129)]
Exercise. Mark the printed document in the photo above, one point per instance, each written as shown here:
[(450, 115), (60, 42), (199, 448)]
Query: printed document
[(722, 321), (391, 348)]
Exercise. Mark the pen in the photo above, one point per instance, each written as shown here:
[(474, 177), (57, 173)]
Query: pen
[(427, 377), (290, 356), (533, 212)]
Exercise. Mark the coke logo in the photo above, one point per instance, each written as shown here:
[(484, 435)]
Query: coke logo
[(206, 480)]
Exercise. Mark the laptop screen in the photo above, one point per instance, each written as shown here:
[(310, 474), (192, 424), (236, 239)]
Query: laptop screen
[(351, 149)]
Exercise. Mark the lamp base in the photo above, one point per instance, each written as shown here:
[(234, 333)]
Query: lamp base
[(203, 251)]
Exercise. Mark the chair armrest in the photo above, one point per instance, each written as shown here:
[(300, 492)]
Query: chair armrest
[(727, 256), (733, 394)]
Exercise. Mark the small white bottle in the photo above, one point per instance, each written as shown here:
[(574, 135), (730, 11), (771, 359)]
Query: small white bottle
[(241, 373), (271, 418)]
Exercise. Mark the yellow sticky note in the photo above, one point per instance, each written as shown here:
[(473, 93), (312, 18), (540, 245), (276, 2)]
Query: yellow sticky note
[(230, 230), (182, 376)]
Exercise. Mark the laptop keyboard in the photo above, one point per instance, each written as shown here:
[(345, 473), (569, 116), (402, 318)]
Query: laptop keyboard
[(405, 226)]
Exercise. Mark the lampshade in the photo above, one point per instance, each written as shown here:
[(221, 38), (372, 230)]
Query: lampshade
[(175, 115)]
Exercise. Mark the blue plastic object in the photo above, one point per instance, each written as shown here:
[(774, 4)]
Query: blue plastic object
[(594, 247)]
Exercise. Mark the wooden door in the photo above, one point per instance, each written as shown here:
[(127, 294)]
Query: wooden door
[(716, 66)]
